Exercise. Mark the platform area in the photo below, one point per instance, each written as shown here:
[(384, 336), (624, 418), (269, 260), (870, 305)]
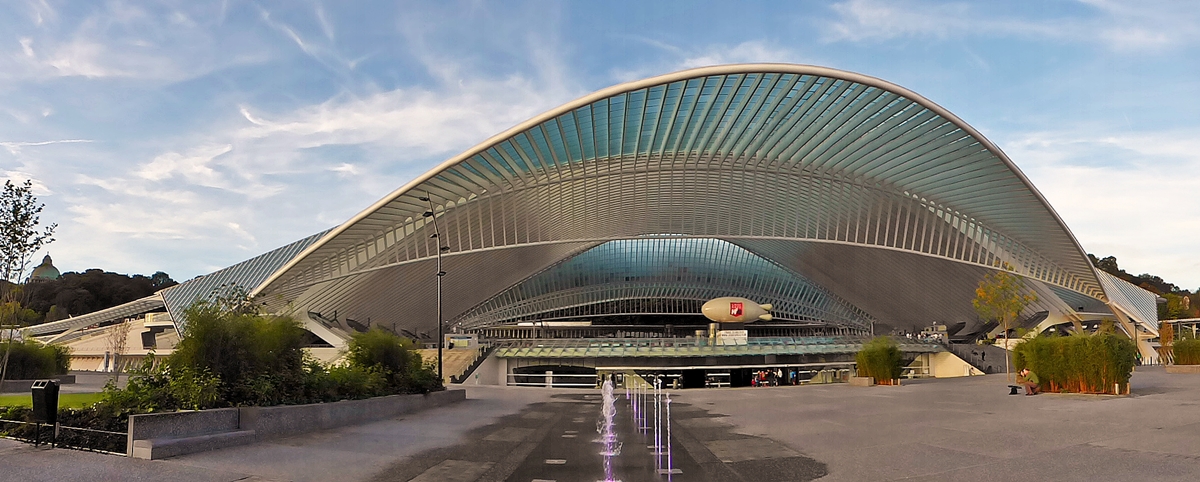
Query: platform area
[(934, 429)]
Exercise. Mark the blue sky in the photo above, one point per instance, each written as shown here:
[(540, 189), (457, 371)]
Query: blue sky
[(184, 136)]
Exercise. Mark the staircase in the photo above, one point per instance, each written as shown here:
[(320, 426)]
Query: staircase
[(986, 358), (455, 361), (483, 354)]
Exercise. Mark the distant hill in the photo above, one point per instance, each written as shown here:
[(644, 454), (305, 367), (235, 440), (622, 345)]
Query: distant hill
[(1179, 301), (77, 294)]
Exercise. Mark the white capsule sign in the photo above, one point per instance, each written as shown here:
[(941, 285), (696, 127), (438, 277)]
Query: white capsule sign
[(733, 309)]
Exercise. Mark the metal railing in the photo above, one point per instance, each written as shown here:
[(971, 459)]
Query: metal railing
[(587, 380), (65, 436), (692, 341)]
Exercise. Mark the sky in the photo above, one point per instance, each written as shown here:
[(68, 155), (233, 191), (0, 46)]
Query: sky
[(185, 136)]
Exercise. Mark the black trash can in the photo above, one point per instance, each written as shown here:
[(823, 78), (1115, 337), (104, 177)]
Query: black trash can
[(45, 401)]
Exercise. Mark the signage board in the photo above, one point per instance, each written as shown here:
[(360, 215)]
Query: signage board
[(731, 337)]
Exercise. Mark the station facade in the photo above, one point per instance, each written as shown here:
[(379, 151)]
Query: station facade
[(850, 204)]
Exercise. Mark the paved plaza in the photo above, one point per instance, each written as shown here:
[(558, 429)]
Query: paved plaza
[(948, 429)]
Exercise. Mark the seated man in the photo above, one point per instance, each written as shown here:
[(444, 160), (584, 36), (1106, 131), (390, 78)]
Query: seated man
[(1029, 380)]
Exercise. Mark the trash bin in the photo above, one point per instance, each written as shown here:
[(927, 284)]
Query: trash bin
[(45, 401)]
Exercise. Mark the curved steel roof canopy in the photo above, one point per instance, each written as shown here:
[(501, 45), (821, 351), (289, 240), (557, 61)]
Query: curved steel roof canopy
[(760, 155)]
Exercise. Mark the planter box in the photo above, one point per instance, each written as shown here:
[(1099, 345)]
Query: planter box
[(162, 435), (862, 381), (14, 386), (1183, 368)]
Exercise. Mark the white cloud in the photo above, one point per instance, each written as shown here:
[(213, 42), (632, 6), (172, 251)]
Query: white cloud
[(260, 172), (1131, 195), (122, 41), (17, 177), (14, 147), (754, 51), (345, 169), (1120, 26)]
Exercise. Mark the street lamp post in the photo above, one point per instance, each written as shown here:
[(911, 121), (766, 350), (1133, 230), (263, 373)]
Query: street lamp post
[(437, 236)]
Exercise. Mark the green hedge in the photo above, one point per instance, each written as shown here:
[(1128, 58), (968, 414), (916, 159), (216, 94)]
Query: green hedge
[(32, 360), (1079, 363), (1187, 352), (880, 359), (231, 355), (258, 359)]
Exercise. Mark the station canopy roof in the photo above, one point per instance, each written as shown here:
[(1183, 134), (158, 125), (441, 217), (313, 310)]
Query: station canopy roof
[(884, 205)]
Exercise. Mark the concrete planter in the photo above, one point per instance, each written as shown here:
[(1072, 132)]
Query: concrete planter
[(862, 381), (1183, 368), (162, 435), (13, 386)]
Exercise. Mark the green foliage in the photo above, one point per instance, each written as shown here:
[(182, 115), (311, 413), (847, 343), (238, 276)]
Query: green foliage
[(1001, 296), (13, 313), (20, 237), (92, 290), (65, 400), (1187, 352), (93, 417), (258, 359), (230, 354), (31, 360), (881, 359), (380, 348), (393, 357), (157, 387), (1079, 363)]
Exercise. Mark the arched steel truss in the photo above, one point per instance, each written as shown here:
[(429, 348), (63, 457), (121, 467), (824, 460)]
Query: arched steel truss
[(664, 268), (752, 154)]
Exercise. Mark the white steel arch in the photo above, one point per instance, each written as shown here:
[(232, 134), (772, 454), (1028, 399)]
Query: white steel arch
[(772, 157)]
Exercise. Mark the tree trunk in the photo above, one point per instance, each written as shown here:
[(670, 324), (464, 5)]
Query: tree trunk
[(1007, 355)]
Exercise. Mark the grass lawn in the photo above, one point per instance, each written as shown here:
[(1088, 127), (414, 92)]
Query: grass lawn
[(65, 400)]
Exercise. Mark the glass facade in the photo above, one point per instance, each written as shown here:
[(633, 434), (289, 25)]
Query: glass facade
[(662, 275)]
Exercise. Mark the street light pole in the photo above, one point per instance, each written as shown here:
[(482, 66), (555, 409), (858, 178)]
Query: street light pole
[(437, 236)]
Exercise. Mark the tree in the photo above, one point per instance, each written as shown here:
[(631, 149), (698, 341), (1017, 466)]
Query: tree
[(20, 238), (116, 343), (77, 294), (1001, 296), (1166, 340)]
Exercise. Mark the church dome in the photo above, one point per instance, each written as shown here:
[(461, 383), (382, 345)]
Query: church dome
[(45, 271)]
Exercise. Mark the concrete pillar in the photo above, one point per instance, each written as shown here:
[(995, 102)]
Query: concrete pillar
[(502, 371), (549, 379)]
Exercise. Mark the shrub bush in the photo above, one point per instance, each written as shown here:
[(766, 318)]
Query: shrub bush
[(258, 359), (230, 355), (31, 360), (393, 357), (881, 359), (1079, 363), (1187, 352)]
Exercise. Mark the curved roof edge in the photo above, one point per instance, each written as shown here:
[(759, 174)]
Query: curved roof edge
[(800, 69)]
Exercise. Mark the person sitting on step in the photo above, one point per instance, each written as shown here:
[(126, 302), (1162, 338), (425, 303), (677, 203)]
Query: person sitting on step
[(1029, 380)]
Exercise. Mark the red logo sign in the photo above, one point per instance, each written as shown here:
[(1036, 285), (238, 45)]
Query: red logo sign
[(735, 309)]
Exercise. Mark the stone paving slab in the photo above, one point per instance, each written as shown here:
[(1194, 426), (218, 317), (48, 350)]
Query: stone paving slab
[(22, 462), (453, 471), (951, 429), (970, 429)]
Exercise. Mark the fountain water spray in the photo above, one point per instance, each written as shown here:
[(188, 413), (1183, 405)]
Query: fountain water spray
[(670, 469), (605, 426)]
